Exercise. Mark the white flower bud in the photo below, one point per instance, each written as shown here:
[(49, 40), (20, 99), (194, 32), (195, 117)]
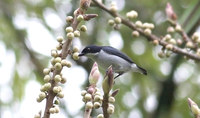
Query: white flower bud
[(60, 95), (89, 105), (135, 34), (155, 42), (70, 35), (47, 86), (54, 53), (69, 19), (42, 95), (172, 41), (83, 92), (69, 29), (59, 47), (113, 9), (118, 20), (168, 37), (189, 44), (97, 98), (170, 29), (47, 78), (169, 46), (75, 56), (147, 31), (178, 28), (75, 49), (83, 28), (63, 80), (138, 24), (88, 97), (58, 66), (57, 110), (97, 105), (80, 17), (57, 78), (46, 71), (161, 54), (58, 59), (100, 116), (110, 110), (52, 110), (56, 89), (37, 116), (132, 14), (111, 99), (77, 33), (111, 22), (60, 39)]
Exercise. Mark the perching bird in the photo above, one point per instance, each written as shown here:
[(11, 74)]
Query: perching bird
[(106, 56)]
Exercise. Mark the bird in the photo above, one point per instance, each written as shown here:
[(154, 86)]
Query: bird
[(106, 56)]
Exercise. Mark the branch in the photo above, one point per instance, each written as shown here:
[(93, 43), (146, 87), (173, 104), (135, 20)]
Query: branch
[(150, 37)]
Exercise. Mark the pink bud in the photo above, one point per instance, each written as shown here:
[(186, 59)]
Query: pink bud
[(170, 12), (94, 74)]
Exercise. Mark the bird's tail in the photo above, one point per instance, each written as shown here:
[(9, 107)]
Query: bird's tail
[(136, 68)]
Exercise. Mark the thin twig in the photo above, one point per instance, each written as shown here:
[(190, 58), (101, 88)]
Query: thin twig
[(150, 37)]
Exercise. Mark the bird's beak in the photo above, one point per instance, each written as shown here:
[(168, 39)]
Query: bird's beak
[(82, 54)]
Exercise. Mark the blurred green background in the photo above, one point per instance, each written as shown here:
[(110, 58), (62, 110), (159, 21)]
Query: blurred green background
[(28, 30)]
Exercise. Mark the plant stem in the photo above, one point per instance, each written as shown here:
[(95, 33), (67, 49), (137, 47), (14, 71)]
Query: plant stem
[(105, 106)]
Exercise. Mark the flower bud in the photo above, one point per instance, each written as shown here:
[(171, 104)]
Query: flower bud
[(88, 97), (110, 110), (172, 41), (194, 107), (89, 105), (83, 92), (111, 22), (113, 9), (69, 29), (47, 78), (170, 29), (135, 34), (94, 74), (52, 110), (58, 59), (161, 54), (37, 116), (70, 35), (179, 42), (56, 89), (47, 86), (42, 95), (57, 110), (167, 37), (75, 49), (54, 53), (178, 28), (77, 33), (170, 12), (195, 36), (155, 42), (75, 56), (169, 46), (100, 116), (63, 80), (59, 47), (80, 17), (83, 28), (57, 78), (39, 99), (60, 95), (111, 99), (118, 20), (97, 98), (57, 102), (138, 24), (97, 105), (46, 71), (60, 39), (189, 44), (58, 66), (108, 81), (147, 31), (69, 19)]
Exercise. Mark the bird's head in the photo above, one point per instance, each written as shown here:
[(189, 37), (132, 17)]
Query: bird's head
[(90, 50)]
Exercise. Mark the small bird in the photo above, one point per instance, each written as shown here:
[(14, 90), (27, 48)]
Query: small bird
[(106, 56)]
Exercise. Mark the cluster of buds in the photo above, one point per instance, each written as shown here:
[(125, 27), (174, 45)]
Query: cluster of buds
[(92, 100), (52, 81), (115, 22)]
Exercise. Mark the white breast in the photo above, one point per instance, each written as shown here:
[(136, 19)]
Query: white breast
[(105, 60)]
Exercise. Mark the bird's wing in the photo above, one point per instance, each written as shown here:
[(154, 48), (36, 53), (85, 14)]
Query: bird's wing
[(116, 52)]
